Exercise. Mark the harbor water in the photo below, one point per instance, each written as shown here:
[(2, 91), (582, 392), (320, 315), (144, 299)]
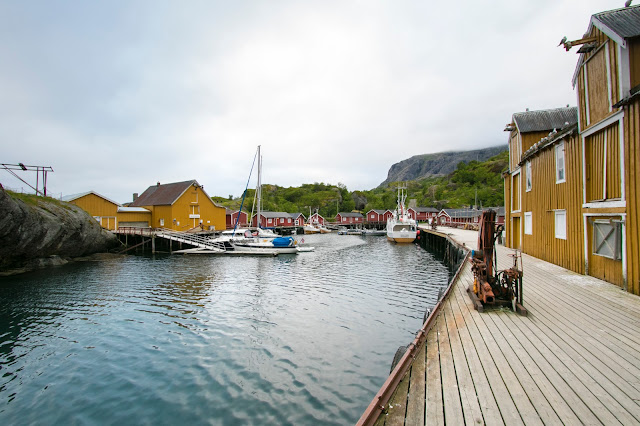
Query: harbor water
[(195, 339)]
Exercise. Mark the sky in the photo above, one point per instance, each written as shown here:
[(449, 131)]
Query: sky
[(118, 95)]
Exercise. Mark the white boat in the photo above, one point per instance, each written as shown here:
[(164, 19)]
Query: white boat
[(310, 229), (374, 232), (400, 227), (259, 240)]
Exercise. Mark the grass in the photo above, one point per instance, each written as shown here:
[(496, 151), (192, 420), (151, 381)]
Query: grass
[(35, 200)]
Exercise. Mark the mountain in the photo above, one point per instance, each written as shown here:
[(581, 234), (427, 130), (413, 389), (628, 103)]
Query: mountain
[(439, 164)]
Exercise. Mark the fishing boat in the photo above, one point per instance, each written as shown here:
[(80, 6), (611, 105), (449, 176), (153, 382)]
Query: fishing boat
[(400, 227), (309, 228)]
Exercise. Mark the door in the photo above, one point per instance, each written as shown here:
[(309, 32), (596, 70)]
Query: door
[(515, 233)]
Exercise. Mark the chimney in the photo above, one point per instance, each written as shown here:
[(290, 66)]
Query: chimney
[(135, 196), (158, 183)]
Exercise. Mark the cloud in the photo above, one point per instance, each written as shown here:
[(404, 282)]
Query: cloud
[(118, 96)]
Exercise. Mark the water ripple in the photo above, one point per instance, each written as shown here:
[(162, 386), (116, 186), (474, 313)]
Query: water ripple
[(209, 340)]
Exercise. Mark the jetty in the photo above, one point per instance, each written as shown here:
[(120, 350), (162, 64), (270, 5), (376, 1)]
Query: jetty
[(575, 358)]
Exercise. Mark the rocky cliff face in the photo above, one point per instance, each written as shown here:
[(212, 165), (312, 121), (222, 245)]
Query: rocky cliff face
[(39, 233), (439, 164)]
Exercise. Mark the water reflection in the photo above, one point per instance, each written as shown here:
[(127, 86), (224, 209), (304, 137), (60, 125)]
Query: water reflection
[(166, 339)]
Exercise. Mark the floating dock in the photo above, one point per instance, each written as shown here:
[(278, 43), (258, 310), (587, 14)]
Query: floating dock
[(575, 359)]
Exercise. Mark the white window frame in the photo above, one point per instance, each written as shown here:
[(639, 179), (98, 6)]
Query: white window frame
[(528, 178), (560, 234), (528, 223), (161, 222), (559, 150), (513, 179)]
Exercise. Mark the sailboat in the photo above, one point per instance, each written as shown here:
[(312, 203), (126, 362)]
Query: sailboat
[(400, 227), (259, 240)]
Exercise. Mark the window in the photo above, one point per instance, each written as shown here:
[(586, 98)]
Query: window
[(560, 173), (528, 175), (607, 239), (561, 224), (161, 222), (528, 228)]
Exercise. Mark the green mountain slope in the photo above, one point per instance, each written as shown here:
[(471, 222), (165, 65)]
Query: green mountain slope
[(475, 180)]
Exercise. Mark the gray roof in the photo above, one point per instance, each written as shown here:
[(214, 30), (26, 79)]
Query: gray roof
[(133, 210), (548, 141), (624, 22), (378, 211), (273, 215), (499, 210), (424, 209), (349, 214), (462, 213), (543, 120)]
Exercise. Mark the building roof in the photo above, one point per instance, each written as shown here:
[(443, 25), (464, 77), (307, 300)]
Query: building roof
[(349, 214), (624, 22), (378, 211), (424, 209), (499, 210), (618, 24), (543, 120), (297, 215), (548, 141), (461, 213), (73, 197), (273, 215), (163, 195), (133, 210)]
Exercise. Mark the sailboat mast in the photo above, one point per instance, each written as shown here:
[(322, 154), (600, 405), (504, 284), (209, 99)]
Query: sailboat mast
[(259, 187)]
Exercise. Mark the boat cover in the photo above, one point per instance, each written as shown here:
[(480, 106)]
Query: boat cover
[(282, 242)]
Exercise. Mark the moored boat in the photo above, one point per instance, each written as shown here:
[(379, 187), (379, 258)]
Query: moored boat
[(400, 227)]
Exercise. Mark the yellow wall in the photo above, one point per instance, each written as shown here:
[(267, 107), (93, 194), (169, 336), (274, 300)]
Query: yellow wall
[(593, 80), (545, 197), (194, 201), (632, 182), (133, 217), (98, 207)]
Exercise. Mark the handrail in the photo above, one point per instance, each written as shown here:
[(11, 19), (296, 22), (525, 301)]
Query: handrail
[(181, 236)]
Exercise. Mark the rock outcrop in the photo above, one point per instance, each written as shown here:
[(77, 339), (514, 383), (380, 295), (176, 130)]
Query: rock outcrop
[(38, 232), (439, 164)]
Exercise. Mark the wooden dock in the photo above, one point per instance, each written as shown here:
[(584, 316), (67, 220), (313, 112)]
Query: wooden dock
[(575, 359)]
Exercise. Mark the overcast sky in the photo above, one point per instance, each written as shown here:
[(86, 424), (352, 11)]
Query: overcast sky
[(117, 95)]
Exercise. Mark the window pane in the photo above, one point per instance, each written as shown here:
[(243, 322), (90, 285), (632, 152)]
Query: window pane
[(561, 224), (528, 228), (560, 162), (606, 240)]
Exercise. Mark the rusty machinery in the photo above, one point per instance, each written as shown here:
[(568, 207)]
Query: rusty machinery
[(490, 286)]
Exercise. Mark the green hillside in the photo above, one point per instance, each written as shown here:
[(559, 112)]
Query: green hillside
[(457, 189)]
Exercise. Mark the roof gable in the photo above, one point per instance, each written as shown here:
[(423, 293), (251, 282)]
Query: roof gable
[(544, 120), (619, 24), (163, 195), (74, 197)]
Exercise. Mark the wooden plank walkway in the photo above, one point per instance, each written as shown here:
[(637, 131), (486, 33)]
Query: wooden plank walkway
[(575, 359)]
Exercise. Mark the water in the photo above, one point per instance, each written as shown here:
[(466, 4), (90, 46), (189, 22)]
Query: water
[(304, 339)]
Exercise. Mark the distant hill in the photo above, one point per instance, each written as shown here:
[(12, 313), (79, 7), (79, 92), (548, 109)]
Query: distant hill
[(439, 164)]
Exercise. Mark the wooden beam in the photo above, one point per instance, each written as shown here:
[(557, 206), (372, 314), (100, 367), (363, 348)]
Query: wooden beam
[(569, 44)]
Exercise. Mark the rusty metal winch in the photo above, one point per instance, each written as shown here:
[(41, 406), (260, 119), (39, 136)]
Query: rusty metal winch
[(490, 286)]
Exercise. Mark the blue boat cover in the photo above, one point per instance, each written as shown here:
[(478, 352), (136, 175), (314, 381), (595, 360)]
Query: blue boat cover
[(282, 241)]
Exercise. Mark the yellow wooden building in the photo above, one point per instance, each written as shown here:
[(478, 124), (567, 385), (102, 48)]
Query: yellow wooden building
[(596, 202), (109, 214), (543, 213), (181, 206)]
